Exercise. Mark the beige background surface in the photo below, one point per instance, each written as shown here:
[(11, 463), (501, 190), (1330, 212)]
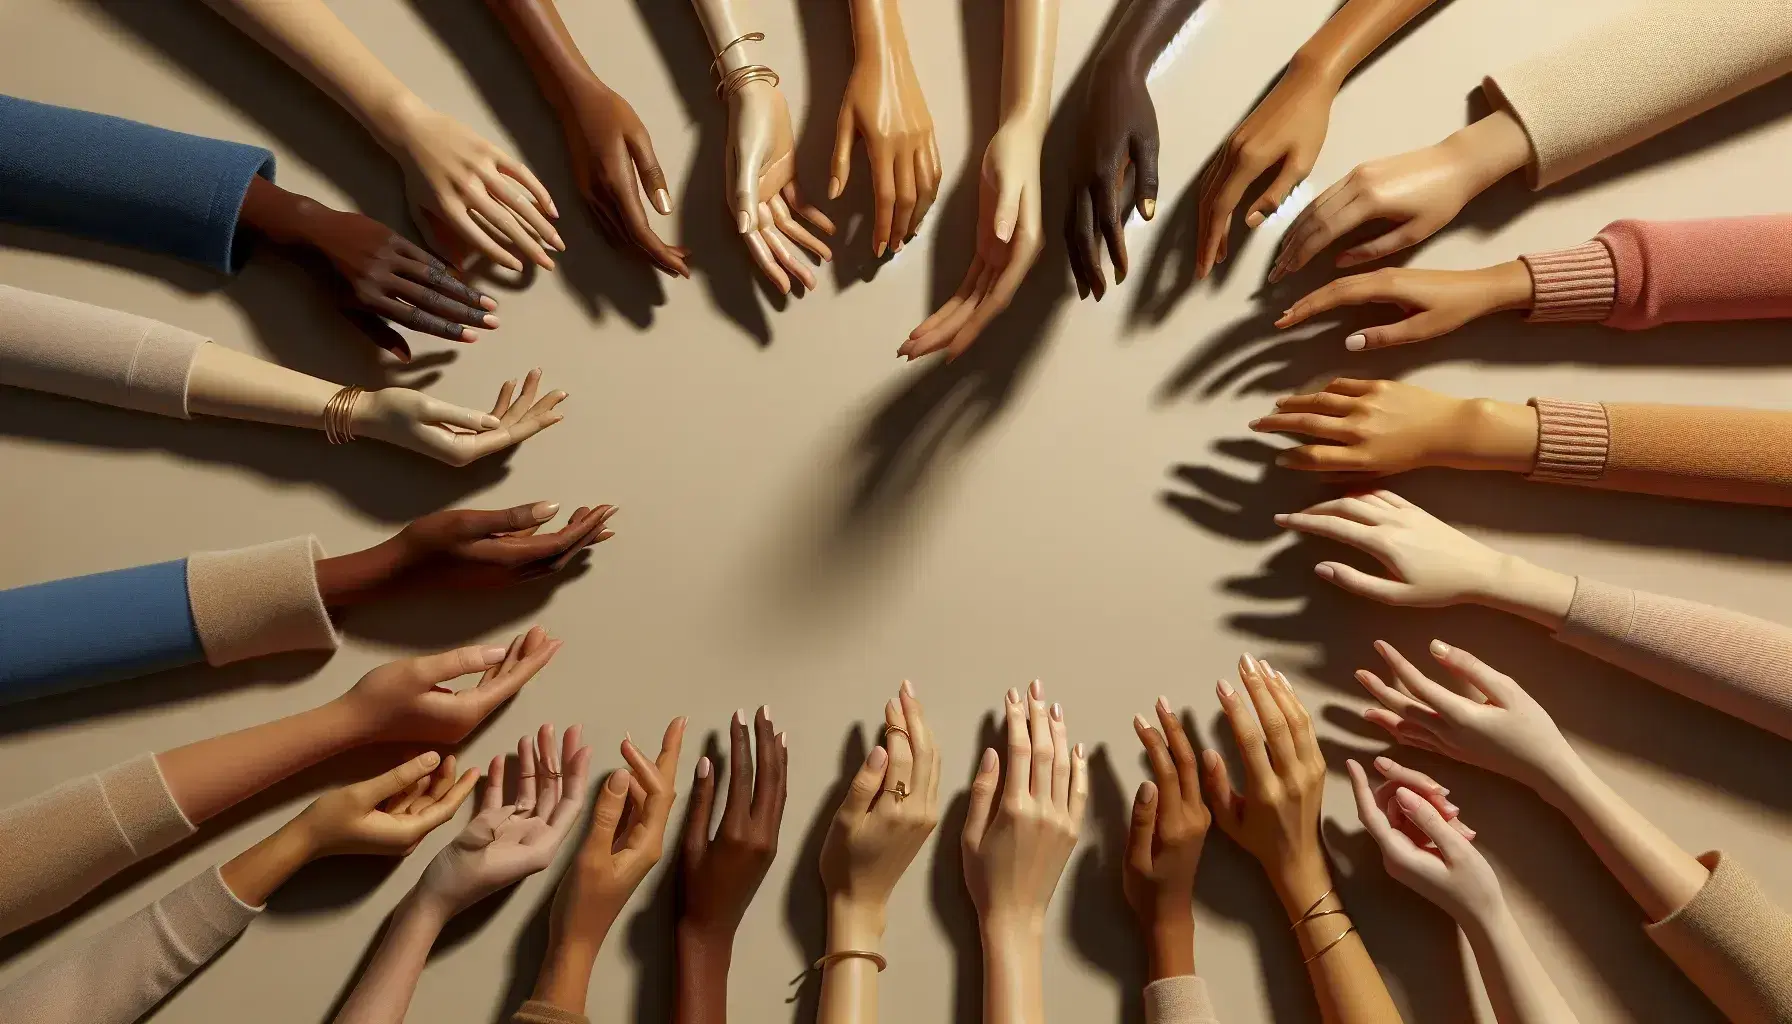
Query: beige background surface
[(806, 521)]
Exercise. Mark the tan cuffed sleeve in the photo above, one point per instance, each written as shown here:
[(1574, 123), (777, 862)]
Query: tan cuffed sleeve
[(1734, 943), (1726, 660), (1179, 1000), (61, 843), (537, 1012), (1577, 283), (261, 600), (124, 971), (100, 355), (1573, 439), (1639, 74)]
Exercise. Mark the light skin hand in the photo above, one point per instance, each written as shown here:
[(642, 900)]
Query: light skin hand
[(1380, 427), (884, 104), (1427, 855), (1163, 845), (455, 434), (1435, 302), (1397, 777), (408, 701), (1418, 192), (1429, 563)]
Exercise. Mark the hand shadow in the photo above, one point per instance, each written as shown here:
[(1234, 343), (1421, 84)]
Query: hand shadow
[(829, 51), (806, 901), (604, 277), (719, 255), (1101, 927), (951, 902), (432, 620)]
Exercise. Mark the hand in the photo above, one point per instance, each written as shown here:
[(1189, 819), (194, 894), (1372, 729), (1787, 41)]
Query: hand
[(1430, 563), (390, 813), (405, 701), (451, 173), (1287, 128), (1015, 848), (623, 843), (1276, 818), (1398, 777), (1009, 237), (884, 103), (1438, 863), (1438, 301), (1119, 131), (506, 843), (877, 832), (475, 549), (1419, 192), (1169, 825), (452, 433), (1502, 729), (718, 877), (762, 169), (387, 276), (613, 161), (1381, 427)]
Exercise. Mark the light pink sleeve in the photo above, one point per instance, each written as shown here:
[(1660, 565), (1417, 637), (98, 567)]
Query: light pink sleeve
[(1637, 274), (1734, 943), (123, 972), (1179, 1000), (89, 352), (61, 843), (1735, 663)]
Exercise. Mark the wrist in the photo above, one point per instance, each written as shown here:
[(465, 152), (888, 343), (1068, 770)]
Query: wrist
[(1018, 930), (1318, 67), (704, 944), (1490, 148), (424, 909), (855, 924), (360, 576), (395, 119), (1519, 587), (1300, 882), (1508, 285), (1568, 787), (1170, 944), (349, 723), (1494, 436)]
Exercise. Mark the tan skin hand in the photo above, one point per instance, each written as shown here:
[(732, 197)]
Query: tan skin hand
[(1276, 817), (719, 875), (1435, 302), (409, 701), (884, 105), (889, 810), (1380, 427), (1286, 131), (613, 160), (390, 813), (1163, 844), (764, 197)]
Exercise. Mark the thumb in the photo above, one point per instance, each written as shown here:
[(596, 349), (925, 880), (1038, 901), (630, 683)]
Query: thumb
[(476, 523), (1144, 823), (390, 784), (612, 799), (1144, 170), (431, 669), (842, 166), (1007, 211), (983, 797), (865, 785), (746, 189), (438, 411)]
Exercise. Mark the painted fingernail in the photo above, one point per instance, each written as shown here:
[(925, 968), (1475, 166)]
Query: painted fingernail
[(1250, 663), (1408, 798), (740, 716), (493, 655), (662, 200), (1057, 712), (1451, 809), (490, 321), (1325, 571), (1163, 704), (879, 757), (1253, 423), (1254, 219), (1355, 342), (1139, 723), (765, 712), (1147, 791), (988, 764), (1225, 690), (1281, 518), (1037, 689), (1383, 764), (908, 688), (703, 767), (784, 740), (544, 510), (893, 708), (1148, 208), (1440, 649), (877, 249), (1013, 695), (618, 782), (833, 188), (431, 759), (744, 223)]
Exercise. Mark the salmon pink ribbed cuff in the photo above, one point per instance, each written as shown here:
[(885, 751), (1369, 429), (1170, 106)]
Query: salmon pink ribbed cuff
[(1578, 283), (1573, 439)]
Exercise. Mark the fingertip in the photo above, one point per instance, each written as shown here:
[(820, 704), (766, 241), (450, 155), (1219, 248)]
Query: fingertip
[(1326, 571), (1356, 342), (1254, 220), (988, 762)]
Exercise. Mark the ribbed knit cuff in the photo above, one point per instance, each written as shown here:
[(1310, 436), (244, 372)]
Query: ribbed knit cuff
[(203, 915), (142, 806), (261, 600), (1573, 439), (537, 1012), (1179, 1000), (1578, 283)]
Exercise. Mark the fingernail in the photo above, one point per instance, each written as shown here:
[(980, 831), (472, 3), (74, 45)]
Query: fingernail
[(1163, 704), (431, 759), (1325, 571), (1355, 342), (1451, 809), (1383, 764), (988, 764), (703, 767), (833, 188), (1253, 423), (1408, 798), (1147, 791), (765, 710), (493, 655), (1254, 219), (1057, 712), (1281, 518), (544, 510), (893, 707), (1225, 690), (1440, 649), (662, 200), (618, 782), (1037, 689), (1148, 208), (908, 688), (877, 249), (491, 422), (1469, 833), (740, 716), (1250, 663), (490, 321), (744, 223), (896, 246), (1139, 723), (1013, 695), (1077, 752), (784, 739)]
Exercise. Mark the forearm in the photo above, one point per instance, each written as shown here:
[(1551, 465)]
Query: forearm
[(1520, 990), (1345, 982), (1144, 30), (849, 984), (214, 774), (282, 217), (1013, 983), (257, 872), (309, 37), (548, 48), (383, 994), (725, 21), (1029, 47), (1170, 945), (231, 384), (1658, 874), (701, 996), (1353, 32), (877, 26), (1491, 148)]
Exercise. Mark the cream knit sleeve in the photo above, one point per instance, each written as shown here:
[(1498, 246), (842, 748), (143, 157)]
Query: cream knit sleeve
[(1179, 1000), (61, 843), (100, 355), (1734, 943), (248, 602), (1640, 74), (123, 972), (1735, 663)]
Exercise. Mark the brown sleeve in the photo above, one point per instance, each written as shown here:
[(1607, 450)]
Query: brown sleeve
[(1734, 943), (1683, 451), (536, 1012)]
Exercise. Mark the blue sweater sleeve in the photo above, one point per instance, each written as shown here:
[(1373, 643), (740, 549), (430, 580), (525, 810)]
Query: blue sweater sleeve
[(125, 182), (71, 633)]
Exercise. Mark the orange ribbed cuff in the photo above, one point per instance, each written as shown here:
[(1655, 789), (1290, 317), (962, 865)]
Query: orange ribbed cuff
[(1579, 283), (1573, 439)]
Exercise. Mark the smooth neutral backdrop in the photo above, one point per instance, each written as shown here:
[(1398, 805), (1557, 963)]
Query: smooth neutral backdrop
[(806, 521)]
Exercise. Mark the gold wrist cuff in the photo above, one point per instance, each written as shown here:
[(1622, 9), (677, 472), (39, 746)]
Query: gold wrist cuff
[(339, 414)]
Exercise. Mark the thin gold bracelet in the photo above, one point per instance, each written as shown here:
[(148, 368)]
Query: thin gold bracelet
[(339, 414), (738, 79), (1309, 911), (1328, 946), (750, 37), (831, 958)]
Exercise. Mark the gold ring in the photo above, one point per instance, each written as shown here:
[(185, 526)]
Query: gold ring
[(897, 728), (900, 790)]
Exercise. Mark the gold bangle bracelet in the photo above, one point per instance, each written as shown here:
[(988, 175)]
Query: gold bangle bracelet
[(750, 37), (833, 958), (1309, 911), (736, 80), (339, 414), (1328, 946)]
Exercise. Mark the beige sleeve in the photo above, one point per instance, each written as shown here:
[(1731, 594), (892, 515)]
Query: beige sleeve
[(1179, 1000), (61, 843), (537, 1012), (1733, 662), (101, 355), (261, 600), (1640, 74), (1734, 944), (123, 972)]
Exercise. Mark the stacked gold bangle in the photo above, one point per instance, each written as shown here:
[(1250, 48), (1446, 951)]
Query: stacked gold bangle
[(339, 414), (1313, 914), (734, 81)]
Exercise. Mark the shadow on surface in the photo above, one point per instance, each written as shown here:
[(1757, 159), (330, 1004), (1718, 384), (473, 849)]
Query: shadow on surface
[(827, 43), (425, 621), (1101, 927), (806, 900), (950, 901)]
